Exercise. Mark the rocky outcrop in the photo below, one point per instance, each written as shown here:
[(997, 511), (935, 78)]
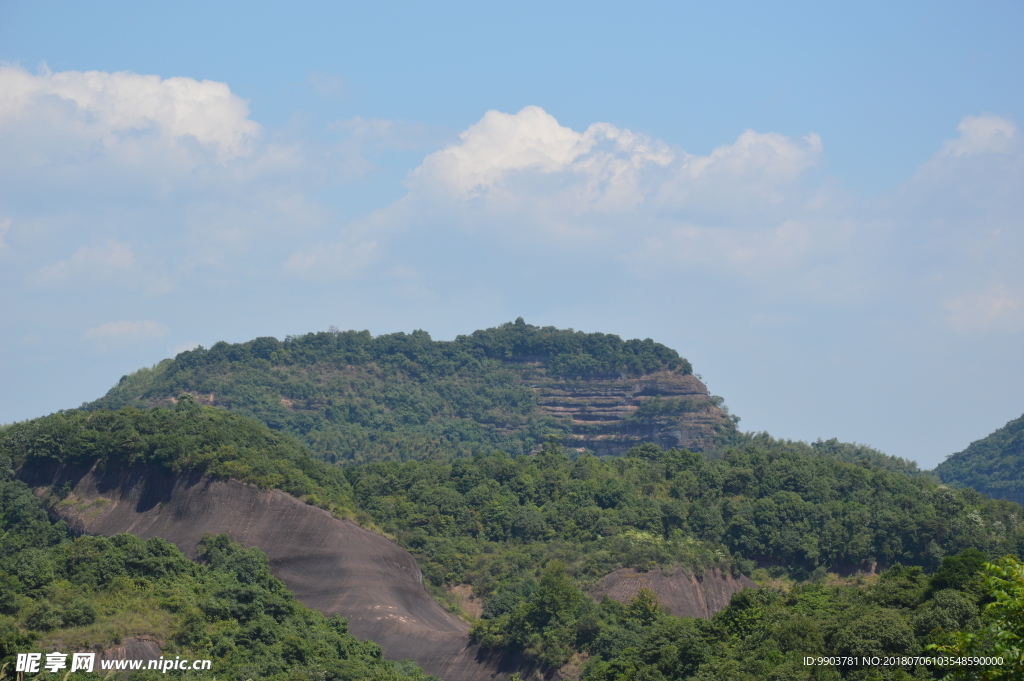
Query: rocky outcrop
[(610, 414), (138, 648), (329, 564), (685, 595)]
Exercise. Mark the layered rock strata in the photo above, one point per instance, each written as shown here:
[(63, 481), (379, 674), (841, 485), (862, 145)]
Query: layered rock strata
[(612, 413)]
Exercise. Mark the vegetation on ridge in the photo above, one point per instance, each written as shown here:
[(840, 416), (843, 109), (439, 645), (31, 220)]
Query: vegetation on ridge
[(993, 464), (352, 397), (184, 437)]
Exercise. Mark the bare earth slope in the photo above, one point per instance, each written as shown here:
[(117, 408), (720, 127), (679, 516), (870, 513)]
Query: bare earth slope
[(329, 564), (683, 594)]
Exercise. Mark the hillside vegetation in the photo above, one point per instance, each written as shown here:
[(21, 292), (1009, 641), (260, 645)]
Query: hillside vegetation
[(993, 464), (494, 522), (532, 533), (187, 436), (353, 397), (95, 593)]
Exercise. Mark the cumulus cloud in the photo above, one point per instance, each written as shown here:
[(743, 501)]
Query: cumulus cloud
[(983, 135), (127, 332), (513, 158), (516, 187), (95, 161), (522, 177), (505, 158), (103, 112)]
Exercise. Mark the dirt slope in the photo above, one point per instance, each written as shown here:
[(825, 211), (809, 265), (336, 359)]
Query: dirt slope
[(329, 564), (683, 594)]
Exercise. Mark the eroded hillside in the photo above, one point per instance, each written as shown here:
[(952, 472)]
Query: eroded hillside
[(331, 565)]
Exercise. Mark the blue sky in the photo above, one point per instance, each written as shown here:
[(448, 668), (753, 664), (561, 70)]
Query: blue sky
[(820, 206)]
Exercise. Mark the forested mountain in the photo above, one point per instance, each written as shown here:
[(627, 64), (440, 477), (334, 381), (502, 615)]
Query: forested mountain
[(533, 534), (354, 397), (478, 456), (993, 465)]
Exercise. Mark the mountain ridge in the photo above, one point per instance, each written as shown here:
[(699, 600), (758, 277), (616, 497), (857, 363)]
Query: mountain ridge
[(353, 397), (993, 465)]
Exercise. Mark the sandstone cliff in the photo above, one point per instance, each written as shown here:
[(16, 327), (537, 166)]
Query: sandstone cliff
[(329, 564), (612, 413), (683, 594)]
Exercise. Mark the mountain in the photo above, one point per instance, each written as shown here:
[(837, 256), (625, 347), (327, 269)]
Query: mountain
[(470, 525), (535, 539), (352, 397), (993, 465)]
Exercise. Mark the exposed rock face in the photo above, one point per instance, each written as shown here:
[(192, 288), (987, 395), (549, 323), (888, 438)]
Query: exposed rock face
[(683, 594), (332, 565), (133, 649), (609, 414)]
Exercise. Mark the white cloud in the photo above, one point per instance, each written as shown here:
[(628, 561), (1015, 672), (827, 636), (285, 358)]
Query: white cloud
[(983, 135), (95, 161), (510, 158), (518, 187), (91, 263), (515, 159), (607, 190), (102, 112), (127, 332)]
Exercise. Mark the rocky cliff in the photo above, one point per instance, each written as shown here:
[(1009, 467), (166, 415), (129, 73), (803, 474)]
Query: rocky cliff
[(329, 564), (609, 414), (685, 595)]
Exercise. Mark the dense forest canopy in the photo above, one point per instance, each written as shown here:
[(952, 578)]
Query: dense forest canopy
[(355, 397), (483, 520), (993, 464), (832, 448)]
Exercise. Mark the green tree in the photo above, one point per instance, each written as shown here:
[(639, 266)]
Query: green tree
[(1002, 632)]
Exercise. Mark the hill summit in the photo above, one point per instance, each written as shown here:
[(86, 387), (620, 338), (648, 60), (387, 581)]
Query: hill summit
[(993, 465), (355, 397)]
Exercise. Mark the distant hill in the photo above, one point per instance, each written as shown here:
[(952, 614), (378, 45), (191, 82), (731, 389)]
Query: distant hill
[(993, 465), (851, 452), (353, 397)]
